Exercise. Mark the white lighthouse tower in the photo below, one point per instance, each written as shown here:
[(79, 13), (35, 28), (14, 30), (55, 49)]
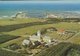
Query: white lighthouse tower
[(39, 33)]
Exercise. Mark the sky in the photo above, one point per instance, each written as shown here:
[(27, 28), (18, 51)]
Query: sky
[(39, 0)]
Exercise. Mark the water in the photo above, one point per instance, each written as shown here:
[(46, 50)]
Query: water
[(37, 9)]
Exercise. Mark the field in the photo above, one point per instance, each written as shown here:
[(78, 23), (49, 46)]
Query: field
[(15, 31), (63, 49), (5, 38), (9, 53)]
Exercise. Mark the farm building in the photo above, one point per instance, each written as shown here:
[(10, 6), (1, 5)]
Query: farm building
[(61, 31)]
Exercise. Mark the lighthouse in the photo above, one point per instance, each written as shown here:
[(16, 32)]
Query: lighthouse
[(39, 33)]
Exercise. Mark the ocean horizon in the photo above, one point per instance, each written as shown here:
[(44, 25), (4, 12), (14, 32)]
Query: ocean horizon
[(9, 9)]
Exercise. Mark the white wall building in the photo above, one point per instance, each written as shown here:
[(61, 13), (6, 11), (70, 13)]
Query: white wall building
[(25, 42), (21, 15), (36, 37), (51, 16)]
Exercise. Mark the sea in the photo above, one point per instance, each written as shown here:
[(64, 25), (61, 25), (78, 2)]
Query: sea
[(37, 9)]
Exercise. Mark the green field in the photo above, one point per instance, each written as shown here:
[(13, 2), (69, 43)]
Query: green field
[(10, 29), (9, 53), (62, 49), (5, 38), (20, 27)]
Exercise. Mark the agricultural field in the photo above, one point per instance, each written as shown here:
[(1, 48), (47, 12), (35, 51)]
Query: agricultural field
[(15, 31), (5, 38), (9, 53), (62, 49)]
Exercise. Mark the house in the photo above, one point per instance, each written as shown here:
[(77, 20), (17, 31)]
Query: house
[(20, 15), (51, 16), (61, 31), (27, 43), (51, 29)]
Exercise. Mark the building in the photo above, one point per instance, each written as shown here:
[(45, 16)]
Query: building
[(51, 16), (20, 15), (25, 42), (39, 33), (39, 37), (61, 31), (36, 37), (51, 29)]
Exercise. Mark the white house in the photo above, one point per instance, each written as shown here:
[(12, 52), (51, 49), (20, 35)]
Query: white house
[(25, 42), (21, 15), (51, 16)]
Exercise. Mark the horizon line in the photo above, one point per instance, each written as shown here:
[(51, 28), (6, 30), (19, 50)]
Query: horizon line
[(39, 1)]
